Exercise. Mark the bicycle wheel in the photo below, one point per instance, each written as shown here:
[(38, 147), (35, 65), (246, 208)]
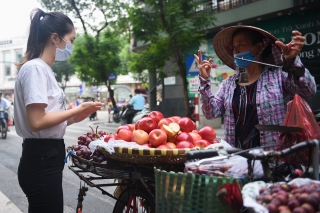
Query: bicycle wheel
[(116, 117), (134, 200), (4, 130)]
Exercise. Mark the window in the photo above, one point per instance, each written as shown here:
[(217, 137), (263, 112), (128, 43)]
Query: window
[(7, 63), (18, 56), (7, 69)]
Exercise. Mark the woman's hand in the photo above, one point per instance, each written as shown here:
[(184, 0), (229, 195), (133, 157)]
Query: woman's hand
[(293, 48), (203, 66), (86, 109)]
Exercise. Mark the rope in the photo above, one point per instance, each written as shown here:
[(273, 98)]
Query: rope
[(233, 197)]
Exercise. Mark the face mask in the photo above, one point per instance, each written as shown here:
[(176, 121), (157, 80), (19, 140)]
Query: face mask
[(62, 55), (245, 55)]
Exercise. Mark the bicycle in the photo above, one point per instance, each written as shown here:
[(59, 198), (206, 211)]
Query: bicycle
[(4, 123), (265, 158)]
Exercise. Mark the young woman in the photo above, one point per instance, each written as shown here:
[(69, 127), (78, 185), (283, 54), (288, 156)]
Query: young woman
[(260, 100), (40, 111)]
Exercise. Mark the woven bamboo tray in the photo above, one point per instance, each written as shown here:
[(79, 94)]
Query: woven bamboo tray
[(113, 169), (148, 156), (188, 193)]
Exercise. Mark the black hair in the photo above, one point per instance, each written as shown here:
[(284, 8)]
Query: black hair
[(41, 28), (137, 91), (254, 37)]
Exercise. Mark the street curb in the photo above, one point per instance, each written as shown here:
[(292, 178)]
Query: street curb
[(7, 206)]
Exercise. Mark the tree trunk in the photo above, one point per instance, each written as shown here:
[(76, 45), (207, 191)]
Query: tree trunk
[(178, 58), (111, 95)]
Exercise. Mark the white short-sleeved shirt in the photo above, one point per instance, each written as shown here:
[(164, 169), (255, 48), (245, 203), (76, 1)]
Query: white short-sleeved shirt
[(36, 83)]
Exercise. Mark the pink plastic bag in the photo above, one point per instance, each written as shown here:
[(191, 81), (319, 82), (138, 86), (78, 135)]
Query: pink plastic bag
[(299, 114)]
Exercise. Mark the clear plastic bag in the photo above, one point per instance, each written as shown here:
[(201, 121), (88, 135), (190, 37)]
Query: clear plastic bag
[(235, 167)]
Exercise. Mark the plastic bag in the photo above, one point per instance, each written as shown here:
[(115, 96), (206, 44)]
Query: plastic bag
[(299, 114), (235, 167)]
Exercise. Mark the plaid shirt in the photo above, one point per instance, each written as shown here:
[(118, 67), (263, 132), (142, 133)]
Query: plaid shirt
[(273, 91)]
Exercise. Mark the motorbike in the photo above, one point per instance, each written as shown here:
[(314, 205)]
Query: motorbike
[(4, 123), (118, 114)]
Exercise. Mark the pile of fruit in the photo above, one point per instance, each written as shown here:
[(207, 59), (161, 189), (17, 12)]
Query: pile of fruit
[(155, 131), (285, 198), (82, 149)]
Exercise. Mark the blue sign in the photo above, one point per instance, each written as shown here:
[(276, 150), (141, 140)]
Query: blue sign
[(80, 91), (192, 65), (112, 76)]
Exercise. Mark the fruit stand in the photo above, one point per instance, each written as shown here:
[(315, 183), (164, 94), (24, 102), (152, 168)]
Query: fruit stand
[(158, 167)]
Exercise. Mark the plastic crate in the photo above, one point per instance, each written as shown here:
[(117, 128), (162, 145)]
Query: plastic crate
[(188, 193)]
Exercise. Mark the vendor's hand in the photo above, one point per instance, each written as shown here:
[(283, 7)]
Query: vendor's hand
[(203, 66), (293, 48), (86, 109)]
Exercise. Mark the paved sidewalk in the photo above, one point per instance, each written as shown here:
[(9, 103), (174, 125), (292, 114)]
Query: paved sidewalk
[(7, 206)]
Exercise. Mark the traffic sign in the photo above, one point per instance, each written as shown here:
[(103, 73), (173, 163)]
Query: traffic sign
[(192, 65), (112, 76)]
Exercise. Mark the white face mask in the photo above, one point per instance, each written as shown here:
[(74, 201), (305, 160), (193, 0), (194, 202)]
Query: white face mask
[(62, 55)]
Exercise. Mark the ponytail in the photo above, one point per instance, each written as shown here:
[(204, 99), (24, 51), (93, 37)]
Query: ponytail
[(41, 28)]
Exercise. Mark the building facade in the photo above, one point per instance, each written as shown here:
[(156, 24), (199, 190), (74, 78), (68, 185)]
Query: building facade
[(279, 17), (11, 52)]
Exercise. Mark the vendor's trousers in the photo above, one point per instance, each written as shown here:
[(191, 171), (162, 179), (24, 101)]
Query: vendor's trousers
[(40, 174)]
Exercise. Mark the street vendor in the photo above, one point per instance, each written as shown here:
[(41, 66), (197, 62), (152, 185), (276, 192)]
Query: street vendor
[(262, 97)]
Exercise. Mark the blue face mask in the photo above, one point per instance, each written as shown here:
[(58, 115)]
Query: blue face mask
[(245, 55)]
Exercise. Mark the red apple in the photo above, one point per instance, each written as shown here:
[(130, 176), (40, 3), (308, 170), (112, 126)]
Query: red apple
[(208, 133), (175, 118), (132, 126), (172, 139), (201, 143), (123, 127), (186, 124), (147, 145), (195, 137), (196, 131), (124, 134), (163, 146), (165, 121), (156, 115), (157, 137), (147, 124), (183, 136), (136, 125), (171, 145), (108, 137), (140, 137), (184, 144)]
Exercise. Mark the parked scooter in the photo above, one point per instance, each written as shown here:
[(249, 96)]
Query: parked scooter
[(117, 115), (4, 123)]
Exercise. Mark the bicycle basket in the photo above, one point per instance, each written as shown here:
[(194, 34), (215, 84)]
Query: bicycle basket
[(188, 193)]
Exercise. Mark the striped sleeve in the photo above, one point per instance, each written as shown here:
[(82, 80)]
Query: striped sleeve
[(212, 105), (306, 85)]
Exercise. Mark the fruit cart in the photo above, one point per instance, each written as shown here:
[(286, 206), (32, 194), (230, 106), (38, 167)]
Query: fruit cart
[(133, 170)]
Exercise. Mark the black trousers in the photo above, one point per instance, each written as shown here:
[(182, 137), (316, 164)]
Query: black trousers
[(130, 114), (40, 174)]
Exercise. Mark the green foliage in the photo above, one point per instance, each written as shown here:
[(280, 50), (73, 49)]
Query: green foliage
[(173, 27), (95, 57), (63, 70)]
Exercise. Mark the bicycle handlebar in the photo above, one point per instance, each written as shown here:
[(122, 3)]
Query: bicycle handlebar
[(200, 154)]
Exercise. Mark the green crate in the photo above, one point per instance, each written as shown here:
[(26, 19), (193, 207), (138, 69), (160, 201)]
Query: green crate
[(188, 193)]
